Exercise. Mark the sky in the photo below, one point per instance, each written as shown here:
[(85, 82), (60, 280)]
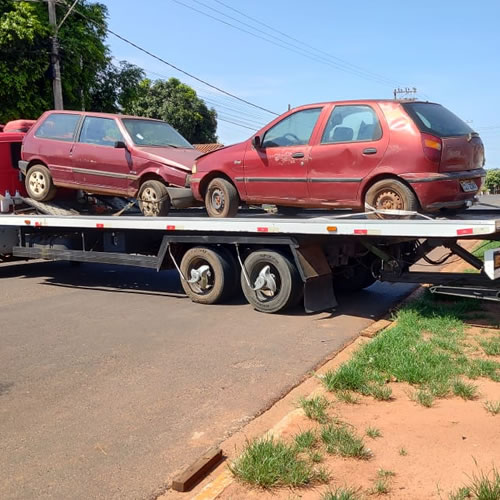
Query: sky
[(288, 52)]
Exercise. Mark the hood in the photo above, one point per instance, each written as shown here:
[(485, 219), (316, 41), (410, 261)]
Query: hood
[(225, 148), (176, 157)]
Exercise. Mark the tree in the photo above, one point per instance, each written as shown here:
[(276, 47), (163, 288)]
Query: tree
[(178, 104), (492, 182), (89, 79)]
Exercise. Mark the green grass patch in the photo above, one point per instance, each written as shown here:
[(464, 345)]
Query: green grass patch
[(465, 390), (315, 408), (347, 397), (491, 347), (423, 397), (267, 462), (305, 440), (342, 494), (373, 432), (340, 440), (426, 348), (482, 486), (481, 249), (492, 407)]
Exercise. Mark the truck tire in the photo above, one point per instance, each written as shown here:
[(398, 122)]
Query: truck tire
[(39, 183), (212, 271), (284, 275), (221, 198), (391, 194), (154, 200)]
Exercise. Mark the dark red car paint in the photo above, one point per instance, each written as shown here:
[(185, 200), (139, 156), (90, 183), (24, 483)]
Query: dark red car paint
[(104, 169), (339, 174)]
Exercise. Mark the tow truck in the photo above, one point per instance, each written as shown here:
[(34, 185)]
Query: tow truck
[(276, 261)]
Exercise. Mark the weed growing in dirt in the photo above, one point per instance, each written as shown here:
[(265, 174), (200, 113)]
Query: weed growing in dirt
[(373, 432), (461, 494), (423, 397), (305, 440), (491, 347), (383, 473), (315, 457), (347, 397), (403, 452), (342, 494), (426, 349), (315, 408), (267, 462), (381, 487), (492, 407), (465, 390), (482, 487), (340, 440)]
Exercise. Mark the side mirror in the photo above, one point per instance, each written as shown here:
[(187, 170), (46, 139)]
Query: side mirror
[(256, 142), (120, 145)]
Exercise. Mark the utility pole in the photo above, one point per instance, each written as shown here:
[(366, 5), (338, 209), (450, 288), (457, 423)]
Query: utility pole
[(54, 58), (405, 92)]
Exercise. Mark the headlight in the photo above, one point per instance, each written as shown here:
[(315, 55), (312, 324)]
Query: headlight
[(193, 170)]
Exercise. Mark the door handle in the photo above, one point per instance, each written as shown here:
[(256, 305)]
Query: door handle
[(369, 151), (298, 155)]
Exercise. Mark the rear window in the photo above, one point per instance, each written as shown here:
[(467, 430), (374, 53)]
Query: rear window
[(436, 119), (59, 126)]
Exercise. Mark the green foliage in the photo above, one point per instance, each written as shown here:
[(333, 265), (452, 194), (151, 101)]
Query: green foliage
[(340, 440), (177, 104), (305, 440), (315, 408), (492, 182), (341, 494)]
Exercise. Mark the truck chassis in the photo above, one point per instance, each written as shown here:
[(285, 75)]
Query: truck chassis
[(276, 261)]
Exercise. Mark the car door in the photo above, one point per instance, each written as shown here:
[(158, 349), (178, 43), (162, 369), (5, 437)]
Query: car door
[(352, 144), (276, 171), (97, 163)]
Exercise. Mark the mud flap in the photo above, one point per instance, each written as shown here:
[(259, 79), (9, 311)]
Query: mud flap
[(317, 276)]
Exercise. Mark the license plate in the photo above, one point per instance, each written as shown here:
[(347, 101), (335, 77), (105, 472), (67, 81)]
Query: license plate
[(468, 186)]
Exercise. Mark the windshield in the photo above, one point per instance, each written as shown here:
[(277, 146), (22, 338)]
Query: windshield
[(154, 133), (436, 119)]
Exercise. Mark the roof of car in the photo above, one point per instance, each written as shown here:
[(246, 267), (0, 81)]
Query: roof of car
[(357, 101), (103, 115)]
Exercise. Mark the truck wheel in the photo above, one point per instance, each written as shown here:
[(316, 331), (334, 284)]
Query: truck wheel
[(154, 200), (275, 283), (221, 198), (209, 275), (39, 183), (390, 194)]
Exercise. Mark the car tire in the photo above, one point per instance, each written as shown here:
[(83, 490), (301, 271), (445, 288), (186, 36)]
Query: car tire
[(289, 287), (154, 200), (213, 286), (391, 194), (39, 183), (221, 198)]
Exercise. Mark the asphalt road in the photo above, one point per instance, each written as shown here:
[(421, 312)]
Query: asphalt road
[(110, 379)]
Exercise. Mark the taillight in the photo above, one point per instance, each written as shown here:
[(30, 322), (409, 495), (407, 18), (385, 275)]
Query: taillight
[(432, 147)]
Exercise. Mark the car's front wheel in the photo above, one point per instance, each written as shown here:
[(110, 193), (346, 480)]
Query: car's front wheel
[(154, 200), (39, 183), (221, 198)]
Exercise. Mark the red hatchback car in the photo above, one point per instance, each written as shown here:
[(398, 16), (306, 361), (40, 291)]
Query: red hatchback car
[(108, 154), (384, 154)]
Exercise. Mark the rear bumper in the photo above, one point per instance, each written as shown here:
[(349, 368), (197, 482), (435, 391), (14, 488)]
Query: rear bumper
[(444, 190)]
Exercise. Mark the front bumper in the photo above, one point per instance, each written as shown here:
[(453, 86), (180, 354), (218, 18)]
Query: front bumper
[(23, 166), (181, 197)]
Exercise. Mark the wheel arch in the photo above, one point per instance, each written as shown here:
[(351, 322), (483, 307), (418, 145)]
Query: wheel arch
[(382, 177), (205, 181)]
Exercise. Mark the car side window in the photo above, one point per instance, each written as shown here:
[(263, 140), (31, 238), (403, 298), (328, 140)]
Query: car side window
[(352, 124), (60, 126), (294, 130), (100, 131)]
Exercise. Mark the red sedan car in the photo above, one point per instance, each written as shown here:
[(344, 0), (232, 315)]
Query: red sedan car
[(384, 154)]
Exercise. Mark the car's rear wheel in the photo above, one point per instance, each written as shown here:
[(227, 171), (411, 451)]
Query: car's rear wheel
[(154, 200), (221, 198), (391, 194), (39, 183)]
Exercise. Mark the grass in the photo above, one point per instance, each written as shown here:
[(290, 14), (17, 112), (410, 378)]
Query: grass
[(492, 407), (465, 390), (426, 349), (305, 440), (482, 487), (340, 440), (383, 473), (347, 397), (267, 462), (316, 457), (479, 252), (491, 347), (315, 408), (373, 432), (423, 397), (341, 494), (381, 487), (403, 452)]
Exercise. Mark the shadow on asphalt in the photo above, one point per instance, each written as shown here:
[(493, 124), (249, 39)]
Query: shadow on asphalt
[(368, 303)]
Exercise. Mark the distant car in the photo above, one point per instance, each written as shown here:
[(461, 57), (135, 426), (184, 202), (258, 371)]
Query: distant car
[(385, 154), (108, 154)]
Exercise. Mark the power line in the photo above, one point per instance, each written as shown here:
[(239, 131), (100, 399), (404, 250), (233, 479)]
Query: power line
[(190, 75)]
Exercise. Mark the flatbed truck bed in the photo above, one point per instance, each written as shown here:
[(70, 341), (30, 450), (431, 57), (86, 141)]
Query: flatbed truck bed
[(276, 261)]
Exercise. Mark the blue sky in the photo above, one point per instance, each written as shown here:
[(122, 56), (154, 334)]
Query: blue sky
[(448, 50)]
